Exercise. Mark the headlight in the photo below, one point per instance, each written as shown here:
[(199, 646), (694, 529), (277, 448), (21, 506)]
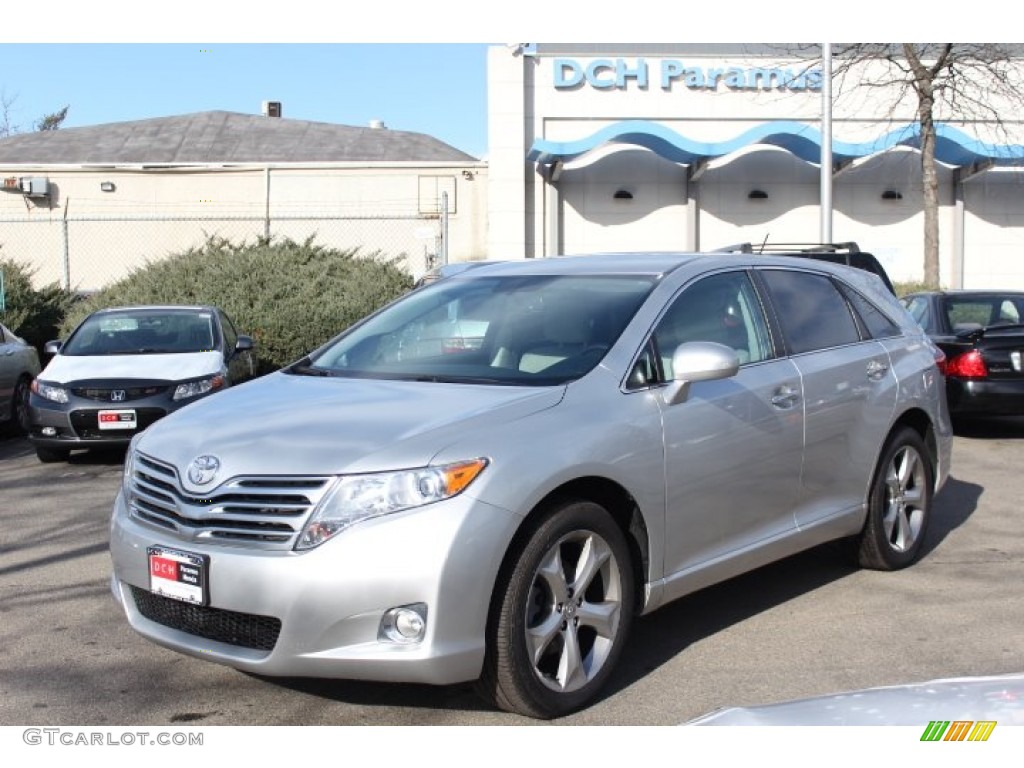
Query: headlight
[(129, 470), (360, 497), (49, 392), (196, 388)]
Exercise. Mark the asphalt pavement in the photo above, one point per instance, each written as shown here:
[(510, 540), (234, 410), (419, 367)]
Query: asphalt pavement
[(807, 626)]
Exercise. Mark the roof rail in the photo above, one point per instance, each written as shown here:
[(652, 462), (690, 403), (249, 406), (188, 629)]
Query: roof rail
[(847, 247)]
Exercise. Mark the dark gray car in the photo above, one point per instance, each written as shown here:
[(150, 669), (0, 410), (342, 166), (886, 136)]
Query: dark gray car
[(19, 364), (124, 368)]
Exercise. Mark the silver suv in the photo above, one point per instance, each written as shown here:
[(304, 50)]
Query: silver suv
[(488, 479)]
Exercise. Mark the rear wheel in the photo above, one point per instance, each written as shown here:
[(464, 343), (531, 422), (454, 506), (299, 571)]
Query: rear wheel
[(562, 611), (51, 455), (899, 506)]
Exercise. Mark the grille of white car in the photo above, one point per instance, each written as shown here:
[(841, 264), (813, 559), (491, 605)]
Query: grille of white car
[(263, 512)]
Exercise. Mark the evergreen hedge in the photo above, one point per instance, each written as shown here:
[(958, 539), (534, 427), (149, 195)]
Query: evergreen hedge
[(34, 314), (290, 297)]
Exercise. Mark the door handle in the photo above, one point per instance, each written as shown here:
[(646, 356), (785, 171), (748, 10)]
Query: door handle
[(877, 370), (785, 397)]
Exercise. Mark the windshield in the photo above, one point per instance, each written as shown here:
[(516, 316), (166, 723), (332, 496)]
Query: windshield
[(533, 330), (143, 332)]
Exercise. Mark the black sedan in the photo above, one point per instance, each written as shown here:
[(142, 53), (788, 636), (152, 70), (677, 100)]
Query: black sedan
[(982, 335)]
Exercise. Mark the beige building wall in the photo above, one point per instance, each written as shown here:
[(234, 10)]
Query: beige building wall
[(86, 236)]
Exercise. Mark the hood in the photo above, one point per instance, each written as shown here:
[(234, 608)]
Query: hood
[(63, 369), (285, 424)]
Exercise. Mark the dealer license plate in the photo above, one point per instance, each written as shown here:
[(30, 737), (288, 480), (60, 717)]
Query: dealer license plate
[(120, 419), (179, 575)]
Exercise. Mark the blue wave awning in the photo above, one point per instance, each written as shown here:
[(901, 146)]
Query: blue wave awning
[(953, 147)]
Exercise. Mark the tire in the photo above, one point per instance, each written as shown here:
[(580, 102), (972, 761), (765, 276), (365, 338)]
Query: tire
[(561, 613), (52, 455), (899, 505), (20, 416)]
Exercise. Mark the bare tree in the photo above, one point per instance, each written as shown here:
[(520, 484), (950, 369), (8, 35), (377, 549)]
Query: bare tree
[(6, 105), (946, 82)]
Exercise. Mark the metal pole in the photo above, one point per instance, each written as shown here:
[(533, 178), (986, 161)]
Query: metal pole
[(826, 142), (444, 227), (67, 247), (266, 207)]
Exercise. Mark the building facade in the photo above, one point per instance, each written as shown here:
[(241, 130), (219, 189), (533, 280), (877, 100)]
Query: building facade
[(697, 147)]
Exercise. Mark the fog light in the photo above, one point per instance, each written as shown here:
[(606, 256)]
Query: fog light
[(405, 624), (49, 432)]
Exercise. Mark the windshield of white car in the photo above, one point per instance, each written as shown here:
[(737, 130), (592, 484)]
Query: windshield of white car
[(528, 331), (145, 332)]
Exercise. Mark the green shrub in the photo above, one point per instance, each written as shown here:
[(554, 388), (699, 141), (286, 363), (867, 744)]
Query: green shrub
[(902, 289), (290, 297), (34, 314)]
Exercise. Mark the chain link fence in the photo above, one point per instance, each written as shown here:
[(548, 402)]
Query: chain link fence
[(87, 253)]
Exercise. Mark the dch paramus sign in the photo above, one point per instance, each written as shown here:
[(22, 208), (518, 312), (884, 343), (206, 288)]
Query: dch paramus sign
[(621, 74)]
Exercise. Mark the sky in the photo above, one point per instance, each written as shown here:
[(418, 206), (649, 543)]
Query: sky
[(431, 88), (416, 66)]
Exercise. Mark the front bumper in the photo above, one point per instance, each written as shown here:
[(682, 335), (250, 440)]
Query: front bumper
[(985, 397), (329, 601), (75, 424)]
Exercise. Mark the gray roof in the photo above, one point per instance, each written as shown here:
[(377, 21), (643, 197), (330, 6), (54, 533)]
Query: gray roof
[(224, 137)]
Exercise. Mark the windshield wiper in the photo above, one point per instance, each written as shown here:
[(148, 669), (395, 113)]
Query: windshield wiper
[(305, 367)]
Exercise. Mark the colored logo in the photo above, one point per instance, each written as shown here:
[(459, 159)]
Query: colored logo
[(958, 730)]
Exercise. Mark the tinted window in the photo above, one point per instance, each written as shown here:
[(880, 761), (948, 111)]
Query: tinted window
[(813, 313), (723, 308), (230, 335), (143, 332), (876, 321), (920, 309)]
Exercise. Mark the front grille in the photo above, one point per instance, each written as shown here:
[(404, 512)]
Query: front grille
[(246, 630), (263, 512), (86, 423), (105, 394)]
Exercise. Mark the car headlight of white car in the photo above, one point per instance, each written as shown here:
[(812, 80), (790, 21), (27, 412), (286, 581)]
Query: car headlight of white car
[(361, 497), (200, 387), (50, 391)]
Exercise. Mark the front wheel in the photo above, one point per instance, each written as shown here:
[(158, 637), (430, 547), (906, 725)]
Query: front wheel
[(899, 505), (20, 413), (562, 610)]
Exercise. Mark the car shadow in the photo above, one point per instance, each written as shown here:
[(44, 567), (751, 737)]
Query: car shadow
[(658, 638), (989, 427)]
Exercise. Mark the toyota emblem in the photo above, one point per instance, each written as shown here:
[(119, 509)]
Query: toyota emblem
[(117, 395), (203, 468)]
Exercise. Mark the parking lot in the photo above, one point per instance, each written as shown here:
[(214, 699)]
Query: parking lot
[(809, 625)]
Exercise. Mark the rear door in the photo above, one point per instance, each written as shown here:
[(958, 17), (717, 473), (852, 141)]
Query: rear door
[(850, 391)]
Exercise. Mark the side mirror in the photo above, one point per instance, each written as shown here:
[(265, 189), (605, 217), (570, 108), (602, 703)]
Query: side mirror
[(699, 361), (244, 344), (53, 347)]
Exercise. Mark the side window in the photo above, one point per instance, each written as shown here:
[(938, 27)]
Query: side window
[(230, 335), (813, 313), (1008, 313), (723, 308), (876, 321), (918, 307)]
